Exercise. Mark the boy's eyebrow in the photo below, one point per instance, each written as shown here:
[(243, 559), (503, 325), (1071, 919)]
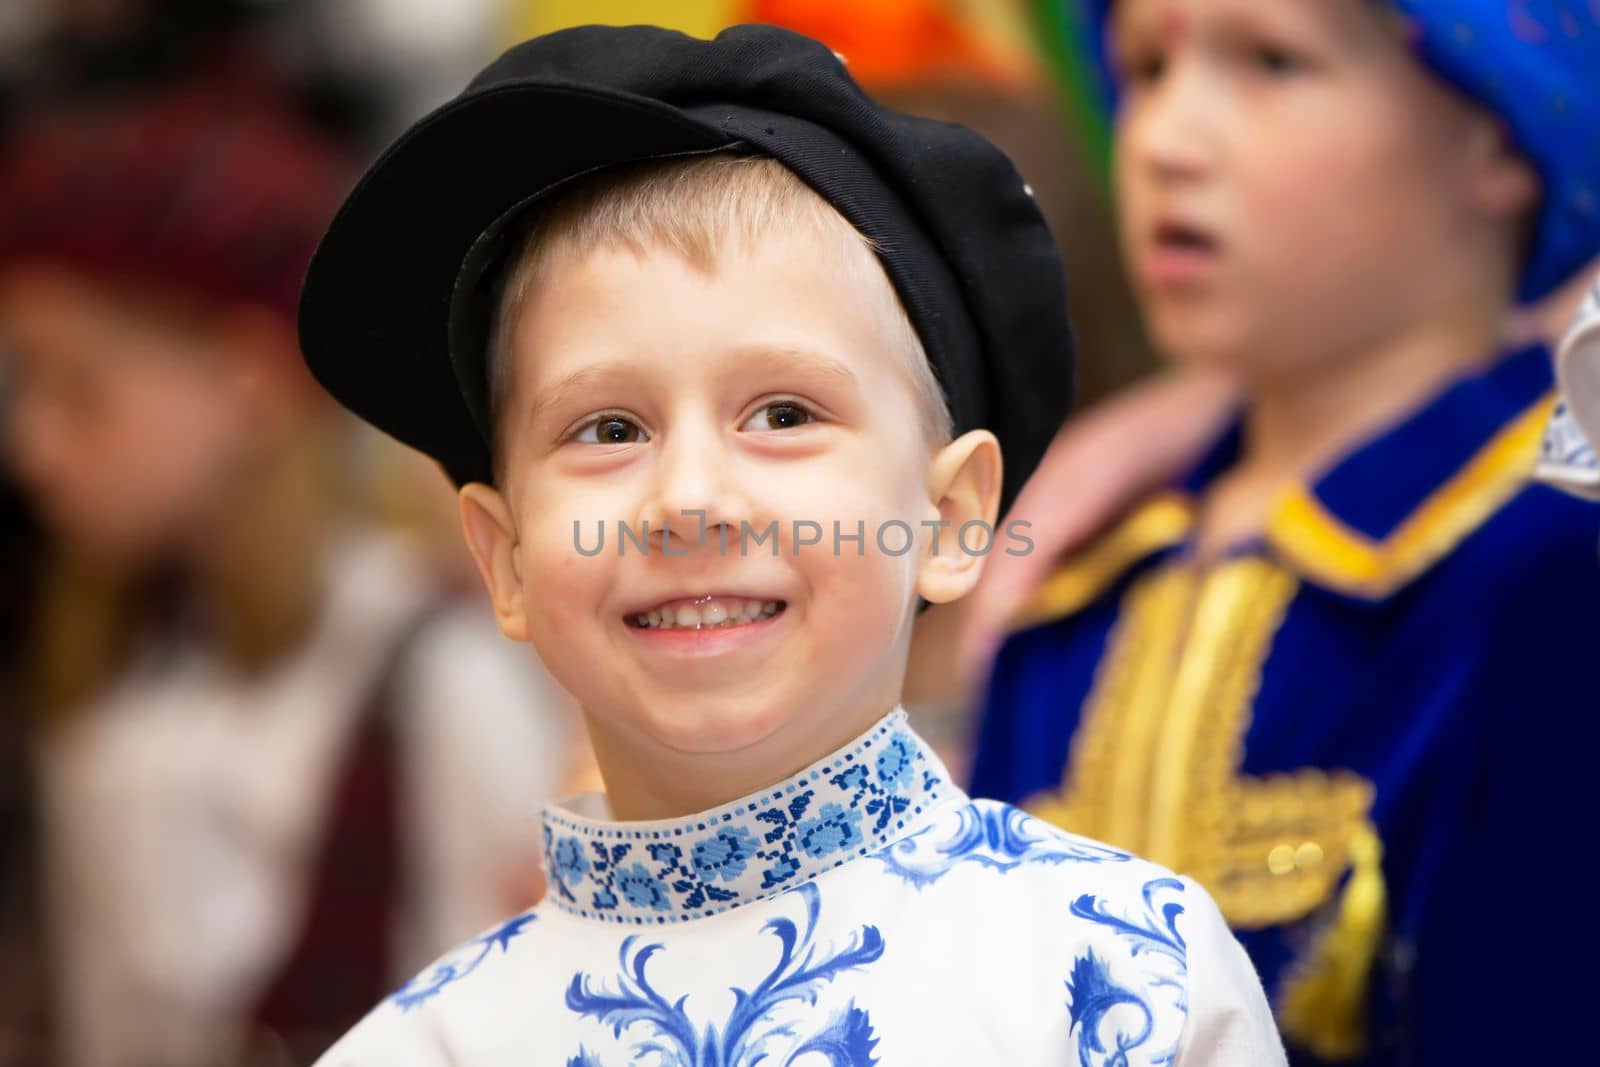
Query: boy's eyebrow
[(778, 359), (580, 380)]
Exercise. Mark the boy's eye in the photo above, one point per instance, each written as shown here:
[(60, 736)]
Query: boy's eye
[(780, 415), (610, 430), (1274, 61), (1145, 68)]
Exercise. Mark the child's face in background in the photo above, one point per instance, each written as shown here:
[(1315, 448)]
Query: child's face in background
[(1293, 185), (764, 392), (120, 422)]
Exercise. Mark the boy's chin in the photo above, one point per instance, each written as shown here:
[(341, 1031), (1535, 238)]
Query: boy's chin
[(711, 724), (1197, 337)]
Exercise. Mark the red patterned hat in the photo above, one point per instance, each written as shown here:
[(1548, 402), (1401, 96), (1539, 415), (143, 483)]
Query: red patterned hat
[(202, 190)]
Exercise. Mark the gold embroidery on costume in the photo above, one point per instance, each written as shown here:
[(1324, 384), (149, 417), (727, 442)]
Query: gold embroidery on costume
[(1323, 1002), (1154, 765), (1334, 555)]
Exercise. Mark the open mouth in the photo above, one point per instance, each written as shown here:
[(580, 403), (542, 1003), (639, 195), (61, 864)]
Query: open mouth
[(1181, 237), (706, 613)]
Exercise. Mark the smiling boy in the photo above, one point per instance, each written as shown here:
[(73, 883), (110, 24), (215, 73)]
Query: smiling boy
[(708, 290)]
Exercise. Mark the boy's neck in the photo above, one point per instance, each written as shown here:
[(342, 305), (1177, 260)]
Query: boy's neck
[(1299, 425), (646, 782)]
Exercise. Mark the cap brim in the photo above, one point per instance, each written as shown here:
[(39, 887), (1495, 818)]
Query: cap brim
[(416, 235)]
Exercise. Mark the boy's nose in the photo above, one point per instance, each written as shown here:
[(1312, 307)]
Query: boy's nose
[(696, 490), (1172, 133)]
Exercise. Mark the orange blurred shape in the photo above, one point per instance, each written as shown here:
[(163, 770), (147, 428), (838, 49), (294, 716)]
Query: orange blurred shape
[(889, 43)]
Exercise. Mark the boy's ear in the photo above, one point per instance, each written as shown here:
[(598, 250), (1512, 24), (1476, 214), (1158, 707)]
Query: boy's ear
[(1504, 183), (492, 538), (964, 485)]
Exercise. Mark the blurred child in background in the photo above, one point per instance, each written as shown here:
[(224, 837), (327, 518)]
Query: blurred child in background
[(1330, 673), (263, 796)]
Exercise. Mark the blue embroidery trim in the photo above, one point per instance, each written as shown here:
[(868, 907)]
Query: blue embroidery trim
[(1565, 446), (458, 964), (747, 1036), (850, 805)]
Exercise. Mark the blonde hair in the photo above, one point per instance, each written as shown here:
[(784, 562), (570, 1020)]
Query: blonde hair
[(693, 206)]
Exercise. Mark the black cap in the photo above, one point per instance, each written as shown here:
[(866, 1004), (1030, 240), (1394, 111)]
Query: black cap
[(396, 311)]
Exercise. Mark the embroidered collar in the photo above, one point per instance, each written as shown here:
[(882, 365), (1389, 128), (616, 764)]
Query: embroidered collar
[(1379, 518), (869, 794), (1567, 460)]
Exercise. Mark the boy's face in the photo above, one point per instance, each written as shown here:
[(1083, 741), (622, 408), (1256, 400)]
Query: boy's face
[(123, 420), (765, 392), (1282, 162)]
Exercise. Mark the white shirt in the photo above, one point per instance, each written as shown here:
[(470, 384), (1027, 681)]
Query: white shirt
[(183, 809), (864, 911), (1568, 459)]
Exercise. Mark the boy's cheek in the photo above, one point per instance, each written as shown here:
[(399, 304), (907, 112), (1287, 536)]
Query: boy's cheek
[(877, 482), (564, 595), (866, 599), (566, 552)]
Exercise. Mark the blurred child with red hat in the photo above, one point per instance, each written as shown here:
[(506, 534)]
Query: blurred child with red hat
[(250, 746)]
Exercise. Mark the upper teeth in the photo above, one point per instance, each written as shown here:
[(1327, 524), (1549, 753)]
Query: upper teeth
[(704, 613)]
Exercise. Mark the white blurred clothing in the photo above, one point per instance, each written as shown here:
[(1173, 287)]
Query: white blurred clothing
[(182, 811)]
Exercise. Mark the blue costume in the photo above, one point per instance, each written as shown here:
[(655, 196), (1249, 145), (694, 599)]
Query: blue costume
[(1363, 733), (1366, 732)]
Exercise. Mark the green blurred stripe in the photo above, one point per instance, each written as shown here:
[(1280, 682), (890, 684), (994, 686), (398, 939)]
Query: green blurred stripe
[(1063, 43)]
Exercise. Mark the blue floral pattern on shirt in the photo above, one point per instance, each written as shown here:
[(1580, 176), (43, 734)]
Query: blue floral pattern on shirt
[(790, 983), (1564, 447), (896, 763), (458, 964), (568, 862), (643, 889), (749, 1035), (856, 801), (991, 835), (1109, 1019), (724, 854), (833, 829)]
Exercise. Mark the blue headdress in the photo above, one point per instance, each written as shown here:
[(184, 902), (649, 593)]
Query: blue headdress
[(1535, 63)]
